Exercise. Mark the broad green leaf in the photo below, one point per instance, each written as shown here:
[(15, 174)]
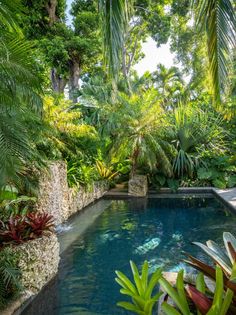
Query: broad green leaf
[(181, 290), (200, 283), (144, 276), (130, 307), (227, 301), (219, 289), (152, 283), (126, 283), (167, 287), (169, 310), (139, 301)]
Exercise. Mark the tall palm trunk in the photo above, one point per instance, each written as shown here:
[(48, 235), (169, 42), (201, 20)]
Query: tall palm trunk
[(134, 159)]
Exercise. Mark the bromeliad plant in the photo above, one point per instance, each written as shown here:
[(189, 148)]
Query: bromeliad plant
[(19, 229), (190, 299), (224, 258), (105, 172), (140, 291)]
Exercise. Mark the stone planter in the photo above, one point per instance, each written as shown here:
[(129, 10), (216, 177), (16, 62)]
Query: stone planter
[(39, 260), (138, 186)]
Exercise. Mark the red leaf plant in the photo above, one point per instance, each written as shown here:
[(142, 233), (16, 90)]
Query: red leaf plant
[(201, 301), (14, 230), (40, 223), (19, 229)]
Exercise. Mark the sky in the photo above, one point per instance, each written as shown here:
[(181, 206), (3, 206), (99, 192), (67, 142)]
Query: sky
[(153, 55)]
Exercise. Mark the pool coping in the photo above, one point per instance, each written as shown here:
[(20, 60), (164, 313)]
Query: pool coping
[(226, 196)]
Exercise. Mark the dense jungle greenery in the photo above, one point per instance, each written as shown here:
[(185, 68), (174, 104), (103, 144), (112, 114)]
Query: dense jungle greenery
[(177, 125)]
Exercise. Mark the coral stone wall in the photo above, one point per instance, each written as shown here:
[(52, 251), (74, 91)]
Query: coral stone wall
[(57, 199), (53, 192), (39, 260), (78, 199)]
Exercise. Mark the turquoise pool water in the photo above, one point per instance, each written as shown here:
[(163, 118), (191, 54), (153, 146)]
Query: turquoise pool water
[(158, 230)]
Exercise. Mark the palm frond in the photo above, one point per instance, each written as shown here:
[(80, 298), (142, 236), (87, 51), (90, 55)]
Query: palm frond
[(8, 13), (218, 18), (115, 19)]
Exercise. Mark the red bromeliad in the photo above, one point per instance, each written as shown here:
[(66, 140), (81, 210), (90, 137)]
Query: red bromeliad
[(40, 222), (19, 229), (201, 301)]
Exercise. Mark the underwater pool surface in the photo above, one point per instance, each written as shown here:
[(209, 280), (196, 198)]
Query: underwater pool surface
[(156, 229)]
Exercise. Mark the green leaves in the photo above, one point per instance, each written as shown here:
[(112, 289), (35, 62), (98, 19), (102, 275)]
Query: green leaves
[(115, 18), (218, 19), (204, 305), (140, 291), (10, 274), (176, 294), (19, 96)]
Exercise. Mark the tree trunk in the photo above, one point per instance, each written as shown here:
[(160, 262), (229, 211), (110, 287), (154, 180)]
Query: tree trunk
[(134, 159), (58, 82), (51, 7), (74, 80)]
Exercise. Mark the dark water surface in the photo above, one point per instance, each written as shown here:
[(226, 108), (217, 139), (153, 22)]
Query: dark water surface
[(158, 230)]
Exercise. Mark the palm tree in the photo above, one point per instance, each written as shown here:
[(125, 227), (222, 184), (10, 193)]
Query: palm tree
[(194, 131), (218, 19), (168, 82), (138, 122), (18, 95), (115, 20)]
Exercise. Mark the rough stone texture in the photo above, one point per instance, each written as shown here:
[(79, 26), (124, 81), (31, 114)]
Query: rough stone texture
[(53, 192), (57, 199), (78, 199), (39, 262), (138, 186)]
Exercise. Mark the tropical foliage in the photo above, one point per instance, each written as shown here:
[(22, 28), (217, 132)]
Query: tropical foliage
[(19, 229), (188, 294), (141, 291), (10, 286)]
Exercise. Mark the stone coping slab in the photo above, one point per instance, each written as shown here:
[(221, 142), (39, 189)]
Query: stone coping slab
[(228, 196)]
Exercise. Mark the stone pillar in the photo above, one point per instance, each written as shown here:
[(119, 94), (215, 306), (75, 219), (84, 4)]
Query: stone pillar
[(53, 192), (138, 186)]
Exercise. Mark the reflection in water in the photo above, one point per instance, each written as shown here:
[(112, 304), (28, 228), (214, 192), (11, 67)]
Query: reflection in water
[(158, 230)]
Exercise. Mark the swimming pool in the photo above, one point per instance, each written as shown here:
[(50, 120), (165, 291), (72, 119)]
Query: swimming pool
[(106, 236)]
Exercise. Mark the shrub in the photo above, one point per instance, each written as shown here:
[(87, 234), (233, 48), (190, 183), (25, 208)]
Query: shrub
[(19, 229)]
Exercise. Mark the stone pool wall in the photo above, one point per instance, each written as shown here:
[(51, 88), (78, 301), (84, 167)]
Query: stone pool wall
[(57, 199), (39, 260)]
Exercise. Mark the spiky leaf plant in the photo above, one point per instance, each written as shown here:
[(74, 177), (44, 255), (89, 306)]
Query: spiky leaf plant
[(140, 290)]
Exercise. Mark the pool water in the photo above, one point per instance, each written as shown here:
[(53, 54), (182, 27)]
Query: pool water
[(156, 229)]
